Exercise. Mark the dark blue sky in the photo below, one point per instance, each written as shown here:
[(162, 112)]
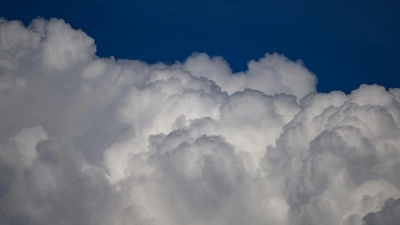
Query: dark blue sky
[(346, 43)]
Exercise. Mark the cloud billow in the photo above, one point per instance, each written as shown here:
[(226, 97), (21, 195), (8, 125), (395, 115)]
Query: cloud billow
[(89, 140)]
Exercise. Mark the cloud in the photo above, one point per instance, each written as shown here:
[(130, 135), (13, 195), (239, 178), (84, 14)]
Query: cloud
[(389, 214), (89, 140)]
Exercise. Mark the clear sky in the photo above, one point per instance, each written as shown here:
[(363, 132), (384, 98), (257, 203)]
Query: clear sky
[(346, 43)]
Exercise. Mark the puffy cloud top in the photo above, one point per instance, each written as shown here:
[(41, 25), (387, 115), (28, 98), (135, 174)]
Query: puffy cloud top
[(89, 140)]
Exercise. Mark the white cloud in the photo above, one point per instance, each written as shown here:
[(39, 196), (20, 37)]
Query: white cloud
[(89, 140)]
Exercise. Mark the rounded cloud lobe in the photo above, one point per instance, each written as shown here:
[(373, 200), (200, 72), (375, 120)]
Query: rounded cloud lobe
[(89, 140)]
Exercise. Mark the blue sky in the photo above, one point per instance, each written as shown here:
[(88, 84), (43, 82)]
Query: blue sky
[(346, 43)]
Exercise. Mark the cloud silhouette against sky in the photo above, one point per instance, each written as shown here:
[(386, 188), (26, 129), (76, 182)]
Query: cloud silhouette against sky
[(89, 140)]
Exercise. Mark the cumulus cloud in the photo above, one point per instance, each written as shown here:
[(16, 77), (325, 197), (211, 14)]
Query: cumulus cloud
[(89, 140), (389, 214)]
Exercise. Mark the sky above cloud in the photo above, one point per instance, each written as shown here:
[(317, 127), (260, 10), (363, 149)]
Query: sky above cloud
[(347, 43), (94, 140)]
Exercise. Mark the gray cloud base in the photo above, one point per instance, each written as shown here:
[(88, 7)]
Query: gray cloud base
[(89, 140), (389, 214)]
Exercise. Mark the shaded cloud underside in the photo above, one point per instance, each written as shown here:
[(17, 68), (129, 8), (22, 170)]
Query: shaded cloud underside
[(89, 140)]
